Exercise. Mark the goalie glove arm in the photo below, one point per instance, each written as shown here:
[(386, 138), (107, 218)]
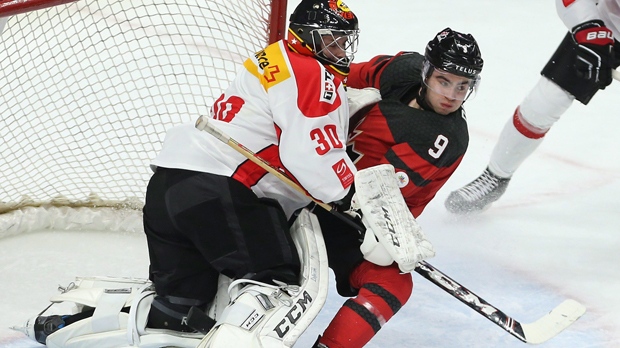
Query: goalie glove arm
[(367, 74)]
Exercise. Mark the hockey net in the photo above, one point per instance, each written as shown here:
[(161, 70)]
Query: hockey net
[(88, 89)]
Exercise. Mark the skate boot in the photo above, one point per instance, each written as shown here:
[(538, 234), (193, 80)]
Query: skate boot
[(40, 327), (478, 194)]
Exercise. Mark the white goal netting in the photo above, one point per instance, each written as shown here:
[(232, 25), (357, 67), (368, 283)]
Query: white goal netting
[(88, 89)]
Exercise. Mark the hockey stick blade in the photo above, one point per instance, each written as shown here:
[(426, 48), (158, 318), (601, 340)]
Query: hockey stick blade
[(615, 74), (537, 332), (540, 331), (554, 322)]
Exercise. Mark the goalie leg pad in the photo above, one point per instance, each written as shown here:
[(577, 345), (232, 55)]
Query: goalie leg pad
[(385, 213), (120, 308), (269, 316)]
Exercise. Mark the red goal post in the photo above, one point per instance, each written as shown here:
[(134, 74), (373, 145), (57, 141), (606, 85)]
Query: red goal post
[(14, 7), (88, 89)]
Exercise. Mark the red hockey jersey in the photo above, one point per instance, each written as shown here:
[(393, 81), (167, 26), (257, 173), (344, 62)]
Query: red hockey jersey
[(424, 147)]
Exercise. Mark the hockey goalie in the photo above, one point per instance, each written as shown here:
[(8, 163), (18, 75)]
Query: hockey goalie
[(114, 312)]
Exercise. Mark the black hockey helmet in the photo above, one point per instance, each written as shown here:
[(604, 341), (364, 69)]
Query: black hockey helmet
[(327, 30), (455, 52)]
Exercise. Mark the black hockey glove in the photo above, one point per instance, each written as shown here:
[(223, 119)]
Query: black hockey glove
[(595, 54)]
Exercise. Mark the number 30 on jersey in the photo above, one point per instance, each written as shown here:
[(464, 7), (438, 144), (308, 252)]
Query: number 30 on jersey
[(326, 138)]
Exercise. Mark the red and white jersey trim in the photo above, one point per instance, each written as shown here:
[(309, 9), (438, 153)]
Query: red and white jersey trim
[(288, 109), (574, 12)]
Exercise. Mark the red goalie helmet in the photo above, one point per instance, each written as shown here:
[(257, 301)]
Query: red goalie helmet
[(327, 30)]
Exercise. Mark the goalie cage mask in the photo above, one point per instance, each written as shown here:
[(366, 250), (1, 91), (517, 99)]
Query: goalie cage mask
[(327, 30)]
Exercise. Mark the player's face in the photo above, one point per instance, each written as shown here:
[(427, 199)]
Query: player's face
[(337, 46), (446, 92), (334, 46)]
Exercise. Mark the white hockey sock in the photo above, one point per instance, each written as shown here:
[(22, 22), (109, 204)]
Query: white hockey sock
[(524, 132), (511, 150)]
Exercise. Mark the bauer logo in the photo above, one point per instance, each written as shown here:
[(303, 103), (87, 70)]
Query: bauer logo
[(464, 47), (344, 173), (294, 314)]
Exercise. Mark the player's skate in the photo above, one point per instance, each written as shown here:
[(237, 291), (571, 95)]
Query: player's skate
[(478, 194)]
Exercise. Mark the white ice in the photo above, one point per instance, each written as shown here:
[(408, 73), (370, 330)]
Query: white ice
[(554, 235)]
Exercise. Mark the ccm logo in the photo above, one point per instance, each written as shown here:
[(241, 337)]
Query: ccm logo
[(251, 320), (291, 318), (390, 225)]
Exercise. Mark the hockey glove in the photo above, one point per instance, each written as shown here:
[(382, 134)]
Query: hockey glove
[(595, 54)]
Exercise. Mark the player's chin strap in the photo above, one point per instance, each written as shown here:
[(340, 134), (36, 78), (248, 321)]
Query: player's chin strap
[(392, 233)]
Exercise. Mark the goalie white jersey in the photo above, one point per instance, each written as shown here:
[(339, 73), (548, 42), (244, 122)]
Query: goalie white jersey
[(290, 111)]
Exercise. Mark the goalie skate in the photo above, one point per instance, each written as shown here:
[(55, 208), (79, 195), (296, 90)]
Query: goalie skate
[(38, 328), (112, 313), (478, 195)]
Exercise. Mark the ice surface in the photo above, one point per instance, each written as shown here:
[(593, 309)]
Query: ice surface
[(554, 235)]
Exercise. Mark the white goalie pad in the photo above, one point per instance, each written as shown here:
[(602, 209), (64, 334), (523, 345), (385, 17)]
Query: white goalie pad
[(269, 316), (386, 216), (109, 326), (294, 307)]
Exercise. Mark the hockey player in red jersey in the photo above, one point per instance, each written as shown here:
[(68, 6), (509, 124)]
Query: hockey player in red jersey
[(581, 65), (419, 127)]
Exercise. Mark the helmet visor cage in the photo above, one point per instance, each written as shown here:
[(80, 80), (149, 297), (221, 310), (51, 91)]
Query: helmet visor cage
[(450, 85), (335, 46)]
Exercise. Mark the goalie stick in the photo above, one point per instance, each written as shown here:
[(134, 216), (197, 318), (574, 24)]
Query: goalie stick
[(537, 332)]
